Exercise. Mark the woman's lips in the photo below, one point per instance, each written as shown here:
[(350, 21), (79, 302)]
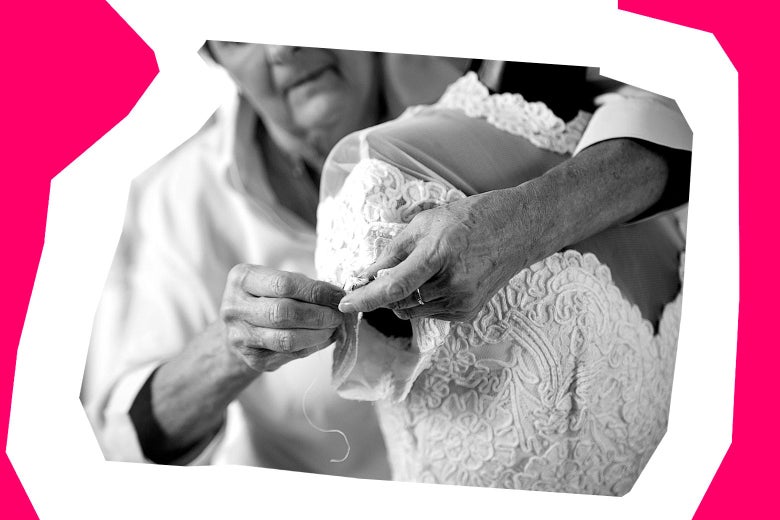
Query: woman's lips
[(307, 78)]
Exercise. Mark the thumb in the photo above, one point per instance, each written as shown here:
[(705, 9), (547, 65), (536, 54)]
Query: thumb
[(397, 285), (393, 254)]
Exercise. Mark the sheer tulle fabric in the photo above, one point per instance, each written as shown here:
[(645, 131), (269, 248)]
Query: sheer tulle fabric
[(560, 383)]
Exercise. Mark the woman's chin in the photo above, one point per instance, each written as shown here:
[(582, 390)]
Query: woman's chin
[(321, 113)]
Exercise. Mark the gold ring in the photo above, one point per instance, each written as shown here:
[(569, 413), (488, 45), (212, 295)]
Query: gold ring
[(419, 297)]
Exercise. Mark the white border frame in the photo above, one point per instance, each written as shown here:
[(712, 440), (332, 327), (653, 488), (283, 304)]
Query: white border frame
[(50, 441)]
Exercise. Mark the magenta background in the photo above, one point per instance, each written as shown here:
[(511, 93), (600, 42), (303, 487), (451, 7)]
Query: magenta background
[(74, 70)]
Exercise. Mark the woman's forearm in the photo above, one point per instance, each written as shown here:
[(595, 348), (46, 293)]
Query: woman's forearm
[(461, 253), (187, 397), (608, 183)]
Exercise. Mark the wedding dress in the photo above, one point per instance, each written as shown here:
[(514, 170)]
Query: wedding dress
[(560, 383)]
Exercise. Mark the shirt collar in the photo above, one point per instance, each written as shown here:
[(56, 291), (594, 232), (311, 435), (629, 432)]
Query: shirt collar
[(240, 157)]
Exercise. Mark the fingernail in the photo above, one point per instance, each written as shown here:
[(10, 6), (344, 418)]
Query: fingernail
[(347, 307), (336, 299)]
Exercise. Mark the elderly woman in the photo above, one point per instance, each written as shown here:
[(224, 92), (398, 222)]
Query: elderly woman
[(212, 294), (212, 308)]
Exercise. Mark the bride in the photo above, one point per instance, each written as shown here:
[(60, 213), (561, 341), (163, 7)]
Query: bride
[(561, 379)]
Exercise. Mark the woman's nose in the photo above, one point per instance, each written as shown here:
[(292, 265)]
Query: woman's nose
[(281, 54)]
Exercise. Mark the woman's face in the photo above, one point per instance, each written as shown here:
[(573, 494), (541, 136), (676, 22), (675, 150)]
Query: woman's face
[(319, 95)]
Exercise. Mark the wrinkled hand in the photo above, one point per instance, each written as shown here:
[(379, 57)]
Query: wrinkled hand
[(458, 256), (272, 317)]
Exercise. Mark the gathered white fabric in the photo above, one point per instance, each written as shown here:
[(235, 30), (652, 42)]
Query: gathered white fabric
[(374, 204), (559, 384)]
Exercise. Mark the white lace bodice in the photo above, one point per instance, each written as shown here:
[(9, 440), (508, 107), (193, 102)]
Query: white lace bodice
[(559, 384), (511, 113)]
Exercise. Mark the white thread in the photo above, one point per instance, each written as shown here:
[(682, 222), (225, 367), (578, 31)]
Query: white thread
[(322, 430)]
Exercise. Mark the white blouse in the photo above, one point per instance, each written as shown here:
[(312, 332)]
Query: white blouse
[(188, 222)]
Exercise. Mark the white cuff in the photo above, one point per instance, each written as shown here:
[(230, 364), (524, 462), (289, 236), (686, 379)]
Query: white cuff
[(115, 429), (640, 117)]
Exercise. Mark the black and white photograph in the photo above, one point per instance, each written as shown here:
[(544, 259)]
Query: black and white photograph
[(402, 267)]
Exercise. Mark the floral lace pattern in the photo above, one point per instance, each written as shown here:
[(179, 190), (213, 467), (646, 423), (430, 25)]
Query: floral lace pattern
[(374, 204), (511, 113), (559, 384)]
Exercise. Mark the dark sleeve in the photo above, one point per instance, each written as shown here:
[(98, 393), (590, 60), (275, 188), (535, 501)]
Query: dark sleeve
[(678, 183), (153, 440)]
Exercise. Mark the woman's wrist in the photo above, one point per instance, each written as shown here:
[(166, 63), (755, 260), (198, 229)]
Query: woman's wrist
[(605, 185), (190, 393), (158, 446), (531, 232)]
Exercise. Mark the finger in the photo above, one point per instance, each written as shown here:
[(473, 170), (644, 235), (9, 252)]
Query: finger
[(397, 284), (306, 352), (285, 313), (439, 313), (429, 310), (262, 281), (429, 292), (286, 340), (268, 361), (392, 255)]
